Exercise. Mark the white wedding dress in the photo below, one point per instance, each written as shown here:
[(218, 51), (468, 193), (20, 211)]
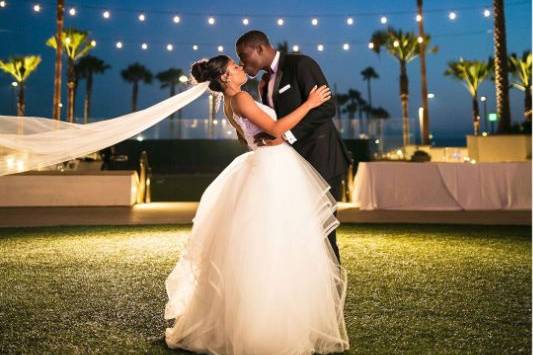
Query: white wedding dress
[(258, 275)]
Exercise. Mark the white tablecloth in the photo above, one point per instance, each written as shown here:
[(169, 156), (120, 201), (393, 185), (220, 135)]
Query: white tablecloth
[(443, 186)]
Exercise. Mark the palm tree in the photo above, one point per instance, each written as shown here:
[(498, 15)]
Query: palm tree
[(352, 103), (423, 75), (368, 74), (170, 79), (134, 74), (340, 101), (85, 69), (501, 68), (77, 44), (520, 67), (404, 47), (60, 15), (21, 68), (473, 73)]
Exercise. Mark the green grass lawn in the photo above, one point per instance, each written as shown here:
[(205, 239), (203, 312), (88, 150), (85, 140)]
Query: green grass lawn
[(412, 288)]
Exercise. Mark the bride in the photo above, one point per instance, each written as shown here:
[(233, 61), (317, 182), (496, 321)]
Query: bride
[(258, 275)]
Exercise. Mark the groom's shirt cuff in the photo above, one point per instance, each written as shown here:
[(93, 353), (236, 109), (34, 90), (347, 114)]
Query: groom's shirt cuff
[(289, 137)]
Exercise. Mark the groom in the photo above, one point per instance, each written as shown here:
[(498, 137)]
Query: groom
[(287, 81)]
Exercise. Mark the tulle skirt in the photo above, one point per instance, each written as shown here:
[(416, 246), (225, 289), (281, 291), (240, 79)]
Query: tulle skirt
[(258, 274)]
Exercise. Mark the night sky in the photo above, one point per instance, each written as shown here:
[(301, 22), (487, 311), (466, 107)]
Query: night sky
[(23, 32)]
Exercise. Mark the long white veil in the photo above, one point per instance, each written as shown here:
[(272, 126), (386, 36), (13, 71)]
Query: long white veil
[(28, 143)]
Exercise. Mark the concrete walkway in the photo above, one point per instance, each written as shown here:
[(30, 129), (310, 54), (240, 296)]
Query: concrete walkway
[(183, 212)]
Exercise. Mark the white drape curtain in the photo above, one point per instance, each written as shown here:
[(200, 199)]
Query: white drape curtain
[(28, 143)]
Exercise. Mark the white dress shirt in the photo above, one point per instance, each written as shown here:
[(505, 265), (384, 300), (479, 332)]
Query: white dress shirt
[(288, 136)]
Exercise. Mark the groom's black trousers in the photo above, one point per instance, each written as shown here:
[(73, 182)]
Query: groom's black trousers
[(335, 183)]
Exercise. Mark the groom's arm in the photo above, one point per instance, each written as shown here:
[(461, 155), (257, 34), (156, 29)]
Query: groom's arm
[(309, 74)]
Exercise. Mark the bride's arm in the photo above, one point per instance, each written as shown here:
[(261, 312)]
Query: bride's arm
[(244, 105)]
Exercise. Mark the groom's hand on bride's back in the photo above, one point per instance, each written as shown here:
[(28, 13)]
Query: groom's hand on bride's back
[(264, 138)]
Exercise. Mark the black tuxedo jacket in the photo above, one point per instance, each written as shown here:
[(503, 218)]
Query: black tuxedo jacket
[(318, 140)]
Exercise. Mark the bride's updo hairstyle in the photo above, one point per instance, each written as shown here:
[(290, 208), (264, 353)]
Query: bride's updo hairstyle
[(211, 70)]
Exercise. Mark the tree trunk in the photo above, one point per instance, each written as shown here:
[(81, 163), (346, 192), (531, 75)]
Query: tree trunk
[(172, 93), (423, 82), (59, 50), (70, 86), (134, 95), (500, 69), (87, 101), (527, 104), (475, 116), (21, 102), (404, 97)]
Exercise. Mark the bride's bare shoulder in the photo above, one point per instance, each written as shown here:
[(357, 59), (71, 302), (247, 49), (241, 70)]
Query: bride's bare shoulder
[(241, 101)]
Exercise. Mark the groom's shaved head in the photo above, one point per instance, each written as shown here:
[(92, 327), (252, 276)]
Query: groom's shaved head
[(253, 38), (255, 52)]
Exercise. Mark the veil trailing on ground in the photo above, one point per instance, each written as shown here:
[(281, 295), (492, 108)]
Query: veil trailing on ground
[(28, 143)]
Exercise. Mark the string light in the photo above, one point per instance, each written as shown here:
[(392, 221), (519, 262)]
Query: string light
[(144, 46), (3, 4), (371, 45), (419, 39), (383, 20), (142, 17), (14, 84), (93, 43), (418, 18), (195, 47), (106, 14), (37, 8), (396, 43), (72, 11), (280, 22), (349, 21), (320, 47), (314, 22), (211, 20), (176, 19), (346, 46), (486, 13), (295, 48), (245, 21), (67, 40), (220, 49), (170, 47), (452, 15), (118, 45)]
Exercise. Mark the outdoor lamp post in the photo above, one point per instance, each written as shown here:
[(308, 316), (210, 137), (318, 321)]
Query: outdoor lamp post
[(485, 118)]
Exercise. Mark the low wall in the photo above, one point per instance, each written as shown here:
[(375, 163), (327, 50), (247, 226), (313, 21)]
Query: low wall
[(77, 188), (499, 147)]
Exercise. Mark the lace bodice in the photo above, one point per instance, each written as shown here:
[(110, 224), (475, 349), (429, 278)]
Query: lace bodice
[(250, 129)]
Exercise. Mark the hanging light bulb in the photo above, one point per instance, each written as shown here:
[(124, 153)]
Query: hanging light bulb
[(106, 14), (67, 40), (314, 22), (371, 45), (211, 20), (245, 21), (418, 18), (195, 47), (280, 22), (142, 17), (295, 48), (37, 8), (486, 13), (176, 19), (396, 43), (118, 45), (383, 20), (170, 47), (349, 21), (320, 47), (419, 39), (220, 49), (93, 43), (72, 11), (3, 3), (144, 46), (346, 46), (452, 15)]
